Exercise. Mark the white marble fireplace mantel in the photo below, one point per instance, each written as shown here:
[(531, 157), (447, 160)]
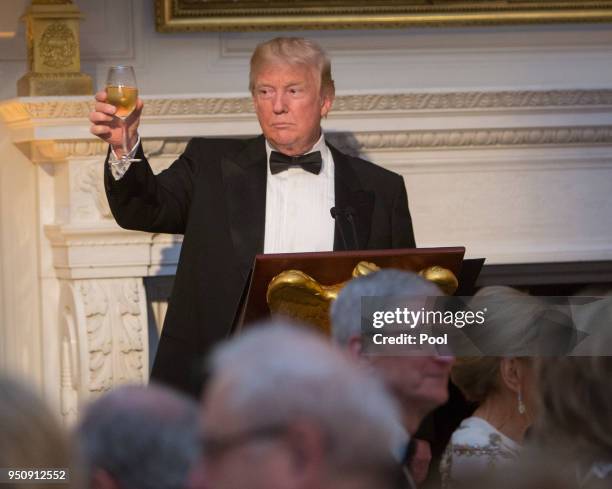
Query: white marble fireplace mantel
[(516, 177)]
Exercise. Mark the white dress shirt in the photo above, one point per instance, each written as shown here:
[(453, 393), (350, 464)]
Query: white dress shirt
[(298, 203)]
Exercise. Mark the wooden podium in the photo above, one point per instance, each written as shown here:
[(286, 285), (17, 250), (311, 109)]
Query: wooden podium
[(335, 267)]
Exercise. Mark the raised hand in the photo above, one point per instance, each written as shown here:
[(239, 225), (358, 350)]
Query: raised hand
[(109, 128)]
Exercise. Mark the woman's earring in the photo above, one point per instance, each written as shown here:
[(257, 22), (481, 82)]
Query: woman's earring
[(521, 405)]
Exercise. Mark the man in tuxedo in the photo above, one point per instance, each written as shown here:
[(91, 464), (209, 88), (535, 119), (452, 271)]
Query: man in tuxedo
[(287, 190)]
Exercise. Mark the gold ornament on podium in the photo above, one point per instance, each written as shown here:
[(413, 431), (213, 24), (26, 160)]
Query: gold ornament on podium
[(295, 294), (54, 62), (442, 277)]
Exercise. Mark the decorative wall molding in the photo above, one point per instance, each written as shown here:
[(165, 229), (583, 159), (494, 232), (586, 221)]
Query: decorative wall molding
[(79, 108), (69, 379), (358, 143), (159, 148), (198, 106), (15, 110), (61, 150), (104, 338), (80, 148), (473, 100), (97, 326), (477, 138), (131, 333), (104, 250), (353, 143), (404, 140), (90, 202)]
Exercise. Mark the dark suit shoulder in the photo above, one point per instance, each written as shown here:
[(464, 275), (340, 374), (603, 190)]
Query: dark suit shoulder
[(364, 168), (202, 153), (373, 170), (369, 175)]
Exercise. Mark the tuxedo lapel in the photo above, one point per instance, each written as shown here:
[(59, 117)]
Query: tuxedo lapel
[(244, 181), (352, 203)]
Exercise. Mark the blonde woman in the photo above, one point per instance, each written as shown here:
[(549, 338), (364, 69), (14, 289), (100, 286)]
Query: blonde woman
[(500, 386)]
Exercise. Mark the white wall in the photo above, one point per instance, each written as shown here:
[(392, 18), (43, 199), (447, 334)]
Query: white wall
[(20, 337), (466, 59)]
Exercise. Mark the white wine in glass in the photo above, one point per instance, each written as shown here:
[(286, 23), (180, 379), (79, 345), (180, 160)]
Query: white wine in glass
[(122, 92), (122, 97)]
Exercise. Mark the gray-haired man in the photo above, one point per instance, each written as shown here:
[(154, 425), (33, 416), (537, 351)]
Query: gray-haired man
[(138, 437), (286, 410), (419, 383)]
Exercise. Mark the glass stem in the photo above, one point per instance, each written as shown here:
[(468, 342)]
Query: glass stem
[(125, 148)]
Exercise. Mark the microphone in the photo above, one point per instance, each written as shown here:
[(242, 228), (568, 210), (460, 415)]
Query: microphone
[(347, 212), (335, 213)]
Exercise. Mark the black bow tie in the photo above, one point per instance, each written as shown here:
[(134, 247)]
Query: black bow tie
[(310, 162)]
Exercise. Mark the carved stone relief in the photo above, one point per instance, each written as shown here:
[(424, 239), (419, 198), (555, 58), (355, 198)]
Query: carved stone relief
[(90, 197), (70, 375), (58, 46), (103, 326), (131, 331)]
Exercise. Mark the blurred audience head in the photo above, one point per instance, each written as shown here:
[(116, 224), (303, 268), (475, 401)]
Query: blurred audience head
[(419, 382), (137, 437), (575, 422), (31, 436), (285, 409)]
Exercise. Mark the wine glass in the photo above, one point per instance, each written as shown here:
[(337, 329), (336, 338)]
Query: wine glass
[(122, 92)]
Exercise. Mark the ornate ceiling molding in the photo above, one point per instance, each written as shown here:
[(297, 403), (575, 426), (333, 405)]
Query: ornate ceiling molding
[(78, 107)]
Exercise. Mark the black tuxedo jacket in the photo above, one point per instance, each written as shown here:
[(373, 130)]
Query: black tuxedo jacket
[(215, 194)]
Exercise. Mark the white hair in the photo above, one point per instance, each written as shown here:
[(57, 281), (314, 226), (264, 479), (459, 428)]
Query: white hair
[(145, 437), (278, 373), (346, 309)]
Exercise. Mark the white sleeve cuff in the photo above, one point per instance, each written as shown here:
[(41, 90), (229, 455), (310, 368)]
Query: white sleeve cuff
[(118, 167)]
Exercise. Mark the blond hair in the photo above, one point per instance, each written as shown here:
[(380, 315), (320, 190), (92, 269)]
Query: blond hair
[(293, 51), (509, 328), (476, 377)]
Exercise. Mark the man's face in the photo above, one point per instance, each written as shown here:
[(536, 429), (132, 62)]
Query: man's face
[(289, 106), (244, 457), (419, 382)]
